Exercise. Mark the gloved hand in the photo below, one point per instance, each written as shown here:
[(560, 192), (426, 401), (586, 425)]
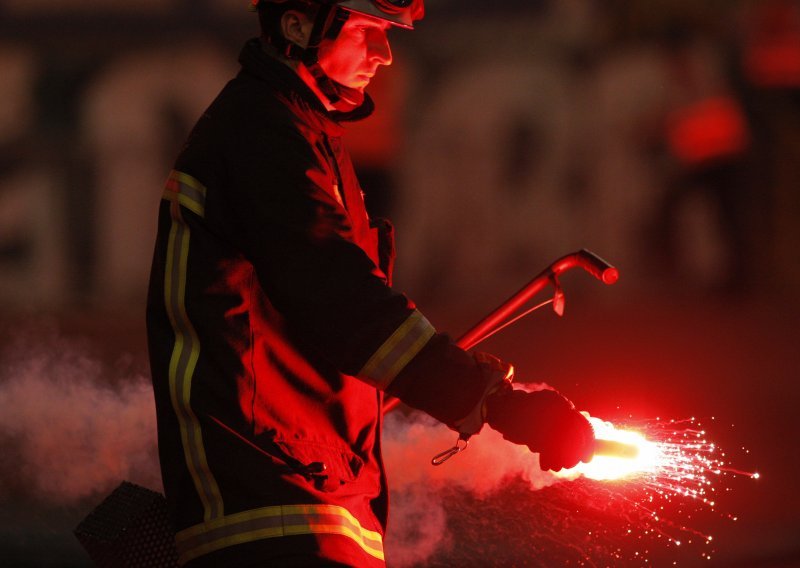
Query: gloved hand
[(544, 421)]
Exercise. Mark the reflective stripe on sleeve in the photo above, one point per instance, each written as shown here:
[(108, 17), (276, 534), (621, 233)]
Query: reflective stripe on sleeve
[(274, 522), (396, 352), (186, 350), (183, 189)]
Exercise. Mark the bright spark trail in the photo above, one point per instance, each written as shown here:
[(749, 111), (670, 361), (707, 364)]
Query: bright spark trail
[(676, 473)]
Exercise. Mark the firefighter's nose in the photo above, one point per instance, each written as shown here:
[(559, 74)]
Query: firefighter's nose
[(380, 48)]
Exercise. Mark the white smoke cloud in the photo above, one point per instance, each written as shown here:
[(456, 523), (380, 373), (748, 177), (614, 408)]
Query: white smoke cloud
[(71, 429), (410, 443), (417, 525), (418, 521)]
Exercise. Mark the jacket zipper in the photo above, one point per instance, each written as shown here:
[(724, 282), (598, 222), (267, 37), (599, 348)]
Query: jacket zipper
[(335, 164)]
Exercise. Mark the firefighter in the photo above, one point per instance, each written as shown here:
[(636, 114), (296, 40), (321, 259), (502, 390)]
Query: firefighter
[(272, 325)]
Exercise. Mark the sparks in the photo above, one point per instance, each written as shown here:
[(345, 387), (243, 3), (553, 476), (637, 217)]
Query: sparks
[(672, 464), (673, 455)]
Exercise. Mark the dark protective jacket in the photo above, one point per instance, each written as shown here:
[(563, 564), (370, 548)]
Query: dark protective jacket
[(273, 333)]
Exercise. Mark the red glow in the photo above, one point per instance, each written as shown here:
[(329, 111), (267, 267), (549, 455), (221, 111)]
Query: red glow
[(710, 129)]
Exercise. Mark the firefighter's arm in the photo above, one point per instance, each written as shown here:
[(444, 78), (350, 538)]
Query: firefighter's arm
[(543, 420)]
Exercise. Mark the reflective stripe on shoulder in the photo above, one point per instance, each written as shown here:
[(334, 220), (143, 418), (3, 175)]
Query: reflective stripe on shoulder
[(185, 190), (395, 353), (186, 350), (274, 522)]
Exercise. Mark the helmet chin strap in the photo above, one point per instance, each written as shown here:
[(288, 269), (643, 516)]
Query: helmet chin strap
[(327, 25), (340, 97)]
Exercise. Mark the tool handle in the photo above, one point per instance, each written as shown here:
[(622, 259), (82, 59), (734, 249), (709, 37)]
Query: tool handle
[(585, 259), (590, 262)]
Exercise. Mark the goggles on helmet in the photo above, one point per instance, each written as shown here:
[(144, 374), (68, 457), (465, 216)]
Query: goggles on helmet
[(398, 12), (401, 13), (393, 5)]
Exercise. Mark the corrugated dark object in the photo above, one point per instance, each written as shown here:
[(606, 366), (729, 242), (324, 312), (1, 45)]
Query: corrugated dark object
[(130, 529)]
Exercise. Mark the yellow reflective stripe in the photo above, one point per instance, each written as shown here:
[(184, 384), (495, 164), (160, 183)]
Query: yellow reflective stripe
[(182, 364), (395, 353), (272, 522), (183, 200), (187, 191)]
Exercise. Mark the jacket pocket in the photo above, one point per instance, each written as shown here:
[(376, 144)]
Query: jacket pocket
[(327, 467)]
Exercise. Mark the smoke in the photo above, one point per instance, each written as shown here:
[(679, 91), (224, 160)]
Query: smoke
[(71, 427), (418, 526), (410, 443)]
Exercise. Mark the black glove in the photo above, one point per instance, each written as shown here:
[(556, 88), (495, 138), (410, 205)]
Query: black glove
[(544, 421)]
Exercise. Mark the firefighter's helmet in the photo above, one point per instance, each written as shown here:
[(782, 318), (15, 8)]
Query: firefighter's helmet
[(402, 13), (328, 22)]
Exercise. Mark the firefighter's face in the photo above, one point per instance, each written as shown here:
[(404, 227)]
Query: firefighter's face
[(353, 58)]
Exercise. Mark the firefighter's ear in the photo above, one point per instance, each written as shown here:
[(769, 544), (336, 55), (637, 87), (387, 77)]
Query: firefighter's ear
[(296, 27)]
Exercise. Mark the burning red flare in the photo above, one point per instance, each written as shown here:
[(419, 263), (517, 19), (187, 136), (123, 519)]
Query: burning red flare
[(662, 462), (646, 459)]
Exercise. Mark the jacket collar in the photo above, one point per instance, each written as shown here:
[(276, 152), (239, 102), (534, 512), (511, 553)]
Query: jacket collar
[(255, 61)]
